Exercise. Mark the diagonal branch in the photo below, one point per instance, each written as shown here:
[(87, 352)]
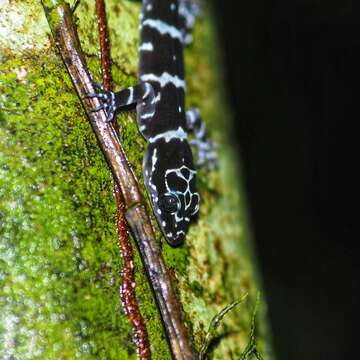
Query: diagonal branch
[(59, 17)]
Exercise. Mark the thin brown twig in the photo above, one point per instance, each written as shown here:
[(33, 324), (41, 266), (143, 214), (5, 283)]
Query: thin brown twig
[(127, 289), (104, 42), (60, 20)]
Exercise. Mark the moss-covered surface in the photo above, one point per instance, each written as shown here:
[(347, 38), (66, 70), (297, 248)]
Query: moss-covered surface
[(59, 263)]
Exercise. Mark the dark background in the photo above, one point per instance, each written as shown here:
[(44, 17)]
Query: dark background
[(293, 77)]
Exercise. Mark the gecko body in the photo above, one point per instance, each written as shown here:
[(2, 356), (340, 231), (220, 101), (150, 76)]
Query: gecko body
[(168, 166)]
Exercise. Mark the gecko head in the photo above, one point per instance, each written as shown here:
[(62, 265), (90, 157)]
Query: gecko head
[(170, 180)]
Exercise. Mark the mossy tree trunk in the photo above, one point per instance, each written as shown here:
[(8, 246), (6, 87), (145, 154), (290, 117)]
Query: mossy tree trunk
[(59, 261)]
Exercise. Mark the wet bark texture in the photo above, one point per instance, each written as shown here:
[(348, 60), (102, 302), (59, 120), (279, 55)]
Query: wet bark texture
[(59, 261)]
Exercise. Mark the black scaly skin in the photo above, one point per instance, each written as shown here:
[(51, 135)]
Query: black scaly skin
[(168, 166)]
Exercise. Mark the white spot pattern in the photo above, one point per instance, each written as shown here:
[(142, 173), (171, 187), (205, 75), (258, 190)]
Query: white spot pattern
[(154, 160), (148, 46)]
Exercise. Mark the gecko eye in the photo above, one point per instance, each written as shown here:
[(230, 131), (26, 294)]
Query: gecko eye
[(169, 203)]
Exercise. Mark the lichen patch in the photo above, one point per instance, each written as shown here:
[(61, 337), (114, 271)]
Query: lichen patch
[(23, 27)]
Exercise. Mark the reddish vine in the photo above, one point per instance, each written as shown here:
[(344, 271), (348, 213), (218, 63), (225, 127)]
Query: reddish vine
[(127, 289)]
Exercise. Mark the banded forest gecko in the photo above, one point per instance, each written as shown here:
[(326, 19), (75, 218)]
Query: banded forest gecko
[(168, 167)]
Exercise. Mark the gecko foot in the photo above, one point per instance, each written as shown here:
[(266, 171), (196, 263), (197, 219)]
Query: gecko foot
[(107, 102), (206, 153), (206, 148)]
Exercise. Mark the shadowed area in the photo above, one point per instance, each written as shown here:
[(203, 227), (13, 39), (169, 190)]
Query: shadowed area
[(293, 74)]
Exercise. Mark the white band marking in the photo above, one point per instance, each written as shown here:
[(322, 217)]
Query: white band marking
[(147, 91), (179, 134), (156, 98), (131, 96), (164, 28), (164, 79), (147, 115)]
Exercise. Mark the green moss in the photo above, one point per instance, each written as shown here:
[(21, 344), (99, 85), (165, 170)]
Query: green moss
[(58, 232), (59, 262), (123, 25)]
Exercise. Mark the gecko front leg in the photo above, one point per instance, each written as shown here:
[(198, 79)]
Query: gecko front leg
[(141, 94), (206, 149)]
